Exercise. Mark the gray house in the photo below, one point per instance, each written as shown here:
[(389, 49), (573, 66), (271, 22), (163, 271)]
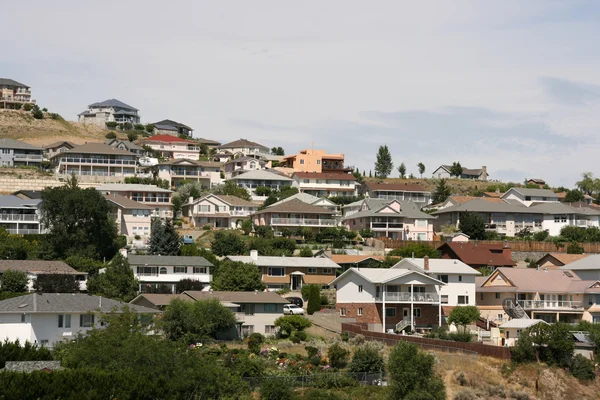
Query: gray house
[(14, 153), (111, 110)]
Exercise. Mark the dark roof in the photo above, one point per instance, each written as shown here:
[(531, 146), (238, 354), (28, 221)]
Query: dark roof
[(15, 144), (465, 171), (295, 206), (160, 299), (473, 253), (169, 122), (30, 194), (207, 141), (238, 297), (124, 202), (174, 261), (325, 175), (10, 82), (396, 187), (67, 303), (58, 144), (95, 148), (113, 103), (38, 266), (241, 143)]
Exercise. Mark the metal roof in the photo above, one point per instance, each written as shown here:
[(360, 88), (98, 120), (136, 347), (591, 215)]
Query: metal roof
[(11, 201)]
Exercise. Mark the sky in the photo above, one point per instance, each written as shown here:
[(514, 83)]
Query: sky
[(512, 85)]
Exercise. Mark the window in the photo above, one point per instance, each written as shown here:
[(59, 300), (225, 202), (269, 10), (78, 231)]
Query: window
[(342, 312), (205, 208), (359, 312), (86, 320), (301, 162), (560, 219), (443, 278), (247, 309), (497, 295), (23, 317), (463, 299), (360, 288), (199, 270), (390, 312), (312, 270), (247, 330), (163, 270), (460, 278), (270, 329), (270, 308), (518, 333), (318, 162), (327, 271), (444, 299), (306, 181), (500, 317), (64, 320), (276, 271), (180, 270), (417, 312), (480, 296), (44, 342)]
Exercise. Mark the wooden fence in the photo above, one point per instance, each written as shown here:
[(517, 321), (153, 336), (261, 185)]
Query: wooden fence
[(516, 245), (430, 344)]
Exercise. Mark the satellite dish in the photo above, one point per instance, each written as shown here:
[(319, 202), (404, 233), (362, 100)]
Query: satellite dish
[(513, 309)]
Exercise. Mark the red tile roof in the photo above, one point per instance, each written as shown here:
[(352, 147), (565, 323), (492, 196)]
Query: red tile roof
[(473, 253)]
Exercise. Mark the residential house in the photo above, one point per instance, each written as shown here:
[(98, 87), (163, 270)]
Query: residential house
[(218, 211), (316, 161), (238, 166), (458, 237), (478, 255), (172, 128), (132, 218), (356, 260), (555, 260), (415, 293), (244, 148), (207, 173), (530, 196), (291, 272), (443, 172), (96, 160), (511, 330), (326, 184), (395, 219), (585, 267), (50, 318), (397, 191), (14, 94), (127, 146), (262, 178), (536, 181), (57, 147), (14, 153), (157, 199), (111, 110), (34, 268), (313, 200), (20, 216), (158, 301), (548, 294), (28, 194), (294, 214), (173, 147), (154, 272), (455, 200)]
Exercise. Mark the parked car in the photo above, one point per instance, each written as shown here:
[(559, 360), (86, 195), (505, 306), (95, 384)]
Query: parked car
[(188, 239), (295, 300), (292, 309)]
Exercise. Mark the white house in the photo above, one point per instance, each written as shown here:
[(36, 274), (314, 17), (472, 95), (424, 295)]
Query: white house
[(34, 268), (244, 147), (218, 211), (238, 166), (312, 200), (173, 147), (443, 172), (152, 196), (51, 318), (165, 271), (529, 196), (261, 178), (326, 184), (207, 173), (397, 191), (20, 216), (111, 110)]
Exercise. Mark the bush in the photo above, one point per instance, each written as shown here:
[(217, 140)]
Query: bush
[(149, 128), (582, 368), (289, 324), (314, 300), (338, 356), (324, 300), (131, 136), (305, 252), (14, 281), (298, 336), (27, 107), (139, 127), (366, 233), (466, 394), (111, 125), (367, 358), (206, 228), (333, 381), (314, 394), (311, 351), (344, 336), (262, 191), (575, 248), (254, 342), (276, 389), (110, 135), (37, 113), (518, 395), (419, 250), (460, 337)]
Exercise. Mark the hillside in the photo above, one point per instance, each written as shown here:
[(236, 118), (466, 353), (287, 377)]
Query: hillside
[(459, 186)]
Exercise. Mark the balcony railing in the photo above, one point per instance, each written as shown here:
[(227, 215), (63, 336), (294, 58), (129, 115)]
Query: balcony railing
[(190, 173), (302, 222), (19, 217), (28, 157), (103, 161), (550, 305), (407, 297), (23, 231), (240, 316), (386, 225)]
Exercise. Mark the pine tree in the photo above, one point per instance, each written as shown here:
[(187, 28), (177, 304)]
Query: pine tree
[(370, 174), (384, 164), (421, 167), (442, 192), (164, 240)]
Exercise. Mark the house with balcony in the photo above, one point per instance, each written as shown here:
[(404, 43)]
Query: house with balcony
[(478, 255), (244, 148), (57, 147), (528, 197), (394, 219), (171, 128), (46, 319), (35, 268), (132, 218), (160, 272), (238, 166), (548, 294), (173, 147), (155, 198), (14, 153), (111, 110), (218, 211), (316, 161), (415, 293), (294, 214), (261, 178), (326, 184), (20, 216), (313, 200), (444, 172), (14, 94), (207, 173), (396, 191), (291, 272), (126, 145), (97, 161)]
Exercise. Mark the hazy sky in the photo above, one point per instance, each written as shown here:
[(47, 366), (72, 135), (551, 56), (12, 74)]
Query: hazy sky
[(512, 85)]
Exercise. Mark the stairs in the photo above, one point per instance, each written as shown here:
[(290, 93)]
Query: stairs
[(402, 325)]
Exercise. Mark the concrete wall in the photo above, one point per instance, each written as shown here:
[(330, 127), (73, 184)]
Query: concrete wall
[(10, 184)]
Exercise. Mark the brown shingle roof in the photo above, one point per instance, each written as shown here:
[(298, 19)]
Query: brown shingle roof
[(241, 143), (238, 297), (295, 206), (326, 175), (353, 259), (37, 266), (160, 299), (398, 187), (473, 253), (545, 281), (95, 148), (567, 258), (125, 202), (235, 201)]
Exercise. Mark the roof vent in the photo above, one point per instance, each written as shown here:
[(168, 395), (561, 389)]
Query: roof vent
[(23, 305)]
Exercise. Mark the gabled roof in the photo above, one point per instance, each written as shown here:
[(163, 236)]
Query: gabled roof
[(125, 203), (395, 187), (340, 176), (11, 201), (169, 122), (95, 148), (354, 259), (261, 175), (564, 258), (16, 144), (128, 145), (532, 192), (113, 103), (522, 323), (480, 204), (465, 171), (538, 181), (238, 297), (295, 206), (38, 267), (231, 200), (308, 199), (160, 299), (66, 303), (171, 261), (268, 261), (58, 144), (10, 82), (384, 275), (241, 143), (589, 263), (167, 139), (436, 266), (473, 253), (209, 142), (408, 209), (30, 194)]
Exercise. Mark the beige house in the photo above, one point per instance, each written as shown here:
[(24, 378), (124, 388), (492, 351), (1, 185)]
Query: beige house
[(397, 191), (556, 260), (173, 147), (238, 166), (155, 198), (50, 150), (244, 148), (219, 211), (14, 94), (111, 110), (207, 173), (326, 184), (311, 160), (294, 214), (132, 218)]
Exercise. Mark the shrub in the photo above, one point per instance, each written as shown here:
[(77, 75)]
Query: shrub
[(333, 381), (276, 389), (44, 109), (298, 336), (27, 107), (314, 300), (575, 248), (314, 394), (149, 128), (139, 127), (367, 358), (338, 356), (254, 342), (582, 368), (518, 395), (37, 113), (110, 135), (344, 336), (131, 136), (314, 360), (14, 281), (366, 233), (111, 125), (305, 252), (289, 324), (461, 378), (262, 191), (324, 300), (466, 394), (460, 337), (311, 351), (206, 228)]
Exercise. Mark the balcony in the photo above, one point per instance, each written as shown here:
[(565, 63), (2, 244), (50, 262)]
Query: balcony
[(302, 222), (100, 161), (240, 316), (23, 231), (153, 277), (406, 297), (19, 217), (205, 174), (387, 225), (550, 305), (28, 157)]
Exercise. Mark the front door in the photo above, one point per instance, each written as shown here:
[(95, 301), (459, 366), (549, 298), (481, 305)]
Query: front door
[(405, 313), (296, 282)]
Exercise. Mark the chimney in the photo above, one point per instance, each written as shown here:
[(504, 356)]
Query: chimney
[(426, 263), (484, 173), (190, 199), (254, 254), (123, 252)]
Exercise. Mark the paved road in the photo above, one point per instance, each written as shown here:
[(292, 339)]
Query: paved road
[(329, 321)]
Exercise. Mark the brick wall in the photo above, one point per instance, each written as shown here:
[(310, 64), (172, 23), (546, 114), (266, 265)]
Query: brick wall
[(372, 313)]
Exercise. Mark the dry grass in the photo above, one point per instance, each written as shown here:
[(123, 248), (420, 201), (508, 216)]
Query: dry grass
[(459, 186)]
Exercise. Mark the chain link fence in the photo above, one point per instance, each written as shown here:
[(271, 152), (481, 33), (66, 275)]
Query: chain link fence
[(329, 380)]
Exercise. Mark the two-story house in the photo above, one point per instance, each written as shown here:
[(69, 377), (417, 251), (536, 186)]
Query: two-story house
[(126, 145), (132, 218), (171, 128), (528, 197), (157, 199), (395, 219), (98, 161), (551, 295), (326, 184), (244, 148), (173, 147), (14, 94), (155, 272), (111, 110), (219, 211), (20, 216), (294, 214), (261, 178), (240, 165), (396, 191), (35, 268), (207, 173), (46, 319), (317, 161), (291, 272), (57, 147), (14, 153), (443, 172), (313, 200)]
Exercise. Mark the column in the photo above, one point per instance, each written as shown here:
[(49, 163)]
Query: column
[(383, 307), (412, 304), (439, 292)]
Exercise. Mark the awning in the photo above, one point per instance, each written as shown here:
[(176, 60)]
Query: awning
[(297, 273)]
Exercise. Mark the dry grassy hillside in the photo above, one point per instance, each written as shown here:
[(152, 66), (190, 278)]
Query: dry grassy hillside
[(459, 186)]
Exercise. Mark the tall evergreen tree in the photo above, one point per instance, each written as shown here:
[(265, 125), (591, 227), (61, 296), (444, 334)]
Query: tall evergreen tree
[(472, 224), (456, 169), (164, 240), (442, 192), (384, 164), (402, 170), (117, 282), (421, 167)]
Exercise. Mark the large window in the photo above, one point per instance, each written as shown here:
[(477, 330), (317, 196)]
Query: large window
[(270, 329), (276, 271), (248, 309), (560, 218), (64, 320), (463, 299), (199, 270), (390, 312), (163, 270), (327, 271), (86, 320), (444, 299), (180, 270), (205, 208), (270, 308)]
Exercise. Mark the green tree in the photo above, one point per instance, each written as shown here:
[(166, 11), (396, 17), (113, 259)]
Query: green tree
[(463, 316), (164, 239), (117, 282), (36, 112), (442, 192), (417, 250), (278, 151), (456, 169), (402, 170), (228, 243), (314, 299), (412, 371), (78, 222), (188, 284), (367, 358), (263, 191), (110, 135), (472, 224), (305, 252), (56, 283), (338, 356), (237, 277), (588, 184), (574, 196), (230, 188), (150, 128), (384, 164), (421, 167), (132, 136), (84, 264), (288, 324), (177, 202), (358, 176), (575, 248), (13, 247), (276, 389), (247, 226), (14, 281)]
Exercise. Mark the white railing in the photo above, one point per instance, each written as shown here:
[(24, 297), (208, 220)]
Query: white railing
[(302, 222), (19, 217), (23, 231), (35, 157), (238, 213), (190, 173), (549, 304), (103, 161), (240, 316), (388, 225), (402, 324), (407, 296)]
